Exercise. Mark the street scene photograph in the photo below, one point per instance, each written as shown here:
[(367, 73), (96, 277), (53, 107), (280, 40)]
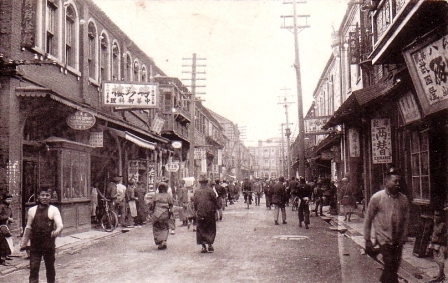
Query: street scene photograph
[(223, 141)]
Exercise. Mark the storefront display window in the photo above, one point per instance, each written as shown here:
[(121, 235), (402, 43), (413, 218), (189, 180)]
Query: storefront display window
[(420, 166), (75, 168)]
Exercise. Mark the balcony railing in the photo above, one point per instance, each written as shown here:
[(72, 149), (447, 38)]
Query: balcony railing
[(387, 12), (172, 125)]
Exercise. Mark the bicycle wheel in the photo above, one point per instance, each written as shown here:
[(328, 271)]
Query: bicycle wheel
[(109, 221)]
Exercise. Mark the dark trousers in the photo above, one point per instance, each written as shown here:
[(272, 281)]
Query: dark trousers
[(304, 212), (257, 198), (319, 205), (49, 259), (391, 257)]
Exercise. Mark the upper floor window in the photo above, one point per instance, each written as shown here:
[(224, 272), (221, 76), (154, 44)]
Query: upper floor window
[(51, 36), (92, 59), (127, 67), (104, 52), (136, 70), (70, 36), (115, 62), (144, 74), (420, 165)]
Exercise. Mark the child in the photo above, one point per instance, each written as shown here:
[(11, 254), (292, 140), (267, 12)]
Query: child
[(438, 244)]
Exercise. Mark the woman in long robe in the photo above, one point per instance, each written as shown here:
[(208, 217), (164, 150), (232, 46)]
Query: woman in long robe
[(161, 206), (205, 205)]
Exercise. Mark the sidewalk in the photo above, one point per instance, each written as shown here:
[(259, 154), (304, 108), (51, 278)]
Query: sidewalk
[(67, 244), (412, 269)]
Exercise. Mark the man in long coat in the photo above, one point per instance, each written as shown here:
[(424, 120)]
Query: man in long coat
[(205, 205), (279, 199)]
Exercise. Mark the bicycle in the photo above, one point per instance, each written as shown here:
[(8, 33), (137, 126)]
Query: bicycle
[(109, 219), (249, 198), (295, 204)]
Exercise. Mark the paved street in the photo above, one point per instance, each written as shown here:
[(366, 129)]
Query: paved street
[(248, 248)]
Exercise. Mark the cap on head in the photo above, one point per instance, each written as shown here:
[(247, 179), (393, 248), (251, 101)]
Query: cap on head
[(117, 178), (281, 179), (203, 179)]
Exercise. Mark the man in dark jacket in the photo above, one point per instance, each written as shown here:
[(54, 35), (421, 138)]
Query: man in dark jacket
[(293, 187), (221, 191), (304, 193), (279, 199)]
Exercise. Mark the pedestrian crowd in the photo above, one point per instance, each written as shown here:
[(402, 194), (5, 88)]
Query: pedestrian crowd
[(201, 205)]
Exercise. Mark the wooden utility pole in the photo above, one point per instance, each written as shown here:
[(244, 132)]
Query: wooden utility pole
[(301, 136), (193, 86)]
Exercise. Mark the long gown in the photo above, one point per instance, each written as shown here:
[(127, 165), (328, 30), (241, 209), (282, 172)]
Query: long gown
[(205, 203), (161, 203)]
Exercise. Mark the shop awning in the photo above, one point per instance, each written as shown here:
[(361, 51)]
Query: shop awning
[(332, 139), (35, 91), (358, 101), (133, 138)]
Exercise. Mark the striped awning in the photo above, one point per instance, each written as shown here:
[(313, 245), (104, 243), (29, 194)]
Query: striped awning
[(134, 139)]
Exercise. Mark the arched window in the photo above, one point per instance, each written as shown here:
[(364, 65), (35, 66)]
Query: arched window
[(144, 74), (92, 59), (115, 62), (127, 68), (71, 34), (136, 70), (104, 52)]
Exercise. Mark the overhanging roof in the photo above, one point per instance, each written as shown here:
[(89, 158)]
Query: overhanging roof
[(358, 101), (133, 138)]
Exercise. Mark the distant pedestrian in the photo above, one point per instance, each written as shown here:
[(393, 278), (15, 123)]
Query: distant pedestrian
[(388, 213), (247, 190), (221, 191), (131, 205), (293, 189), (346, 200), (304, 192), (6, 243), (205, 205), (182, 200), (44, 224), (279, 200), (438, 245), (318, 198), (160, 209), (140, 193), (258, 191), (269, 185)]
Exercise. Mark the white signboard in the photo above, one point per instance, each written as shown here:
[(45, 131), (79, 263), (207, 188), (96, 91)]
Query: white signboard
[(199, 153), (314, 125), (157, 124), (96, 139), (134, 95), (219, 156), (409, 108), (172, 167), (204, 165), (381, 141)]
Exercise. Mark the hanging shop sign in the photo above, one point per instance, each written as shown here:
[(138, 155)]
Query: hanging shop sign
[(381, 141), (157, 124), (132, 95), (353, 139), (219, 156), (172, 167), (427, 61), (326, 155), (199, 153), (96, 139), (409, 109), (313, 126), (81, 120), (176, 144), (353, 41)]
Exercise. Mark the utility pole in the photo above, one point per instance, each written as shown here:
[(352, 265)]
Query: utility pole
[(301, 136), (283, 152), (193, 86), (286, 103), (241, 136)]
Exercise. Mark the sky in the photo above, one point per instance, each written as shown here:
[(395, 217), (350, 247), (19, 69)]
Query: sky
[(248, 56)]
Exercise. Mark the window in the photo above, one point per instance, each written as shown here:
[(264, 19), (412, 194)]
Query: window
[(144, 74), (70, 36), (92, 60), (420, 165), (115, 62), (51, 28), (104, 58), (75, 172), (136, 70)]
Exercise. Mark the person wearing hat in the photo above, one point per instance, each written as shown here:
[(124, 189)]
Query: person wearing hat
[(205, 205), (160, 209), (279, 199), (5, 220), (388, 213)]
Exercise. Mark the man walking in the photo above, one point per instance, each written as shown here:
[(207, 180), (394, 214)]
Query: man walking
[(279, 199), (388, 212), (41, 231), (304, 193), (258, 190), (221, 191)]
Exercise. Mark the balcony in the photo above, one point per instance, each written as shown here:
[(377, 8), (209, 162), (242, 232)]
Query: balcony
[(174, 129), (180, 114)]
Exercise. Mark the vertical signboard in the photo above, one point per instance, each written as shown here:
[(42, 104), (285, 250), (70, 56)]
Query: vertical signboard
[(353, 140), (409, 109), (381, 141), (204, 165), (219, 156)]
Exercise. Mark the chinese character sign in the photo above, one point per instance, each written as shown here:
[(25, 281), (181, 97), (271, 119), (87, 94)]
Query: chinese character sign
[(381, 141), (314, 125), (353, 139), (199, 153), (427, 61), (408, 107), (138, 95), (157, 124)]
